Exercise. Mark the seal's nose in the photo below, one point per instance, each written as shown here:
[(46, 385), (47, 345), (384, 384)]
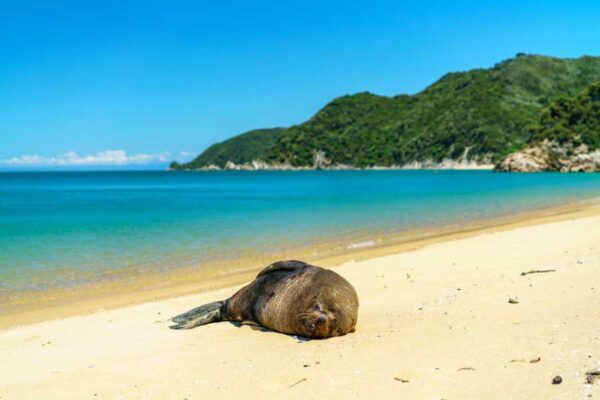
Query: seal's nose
[(321, 320)]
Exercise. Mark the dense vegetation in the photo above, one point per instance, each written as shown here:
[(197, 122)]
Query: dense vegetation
[(573, 120), (483, 114), (256, 144)]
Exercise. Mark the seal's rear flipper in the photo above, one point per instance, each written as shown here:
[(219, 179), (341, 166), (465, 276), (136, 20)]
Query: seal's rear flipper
[(202, 315)]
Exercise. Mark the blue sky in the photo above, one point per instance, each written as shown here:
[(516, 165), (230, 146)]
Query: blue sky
[(126, 82)]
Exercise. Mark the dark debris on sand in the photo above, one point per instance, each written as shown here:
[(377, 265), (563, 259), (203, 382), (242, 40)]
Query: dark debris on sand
[(591, 377)]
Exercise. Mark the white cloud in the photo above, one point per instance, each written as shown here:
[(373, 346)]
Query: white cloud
[(188, 154), (107, 158)]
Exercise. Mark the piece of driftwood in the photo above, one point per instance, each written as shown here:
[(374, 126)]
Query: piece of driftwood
[(537, 271), (300, 381)]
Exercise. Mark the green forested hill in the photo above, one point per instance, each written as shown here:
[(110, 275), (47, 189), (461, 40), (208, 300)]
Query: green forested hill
[(483, 114), (573, 120), (256, 144)]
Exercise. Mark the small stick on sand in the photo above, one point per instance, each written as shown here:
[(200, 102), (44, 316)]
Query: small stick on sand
[(537, 271), (300, 381)]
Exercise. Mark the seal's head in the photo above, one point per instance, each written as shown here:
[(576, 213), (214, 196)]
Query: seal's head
[(323, 322)]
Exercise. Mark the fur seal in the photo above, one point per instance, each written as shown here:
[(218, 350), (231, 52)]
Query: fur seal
[(290, 297)]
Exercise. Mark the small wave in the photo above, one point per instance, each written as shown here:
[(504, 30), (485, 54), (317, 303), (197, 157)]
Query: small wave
[(360, 245)]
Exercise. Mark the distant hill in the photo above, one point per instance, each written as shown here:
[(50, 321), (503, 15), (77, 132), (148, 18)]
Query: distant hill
[(480, 115), (252, 145), (567, 137)]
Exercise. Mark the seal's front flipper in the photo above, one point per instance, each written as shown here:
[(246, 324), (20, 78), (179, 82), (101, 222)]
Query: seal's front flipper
[(255, 326), (202, 315), (248, 322)]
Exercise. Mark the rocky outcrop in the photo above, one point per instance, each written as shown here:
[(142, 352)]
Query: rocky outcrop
[(531, 159), (320, 161), (462, 162), (552, 156), (259, 165), (449, 164)]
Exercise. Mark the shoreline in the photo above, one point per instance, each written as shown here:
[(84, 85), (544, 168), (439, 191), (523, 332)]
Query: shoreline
[(435, 322), (179, 281), (449, 165)]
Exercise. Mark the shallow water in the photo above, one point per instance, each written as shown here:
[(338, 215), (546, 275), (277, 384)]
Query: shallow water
[(70, 229)]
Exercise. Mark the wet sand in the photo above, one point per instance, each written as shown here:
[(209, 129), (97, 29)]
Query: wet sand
[(130, 289)]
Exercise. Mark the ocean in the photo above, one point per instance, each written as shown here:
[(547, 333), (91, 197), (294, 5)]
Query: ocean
[(63, 231)]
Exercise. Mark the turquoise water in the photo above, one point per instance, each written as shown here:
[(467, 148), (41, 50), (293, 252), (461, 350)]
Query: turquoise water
[(62, 229)]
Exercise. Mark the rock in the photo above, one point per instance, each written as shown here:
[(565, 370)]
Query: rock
[(260, 165), (552, 156), (528, 160), (320, 161), (484, 163), (513, 301), (229, 165), (557, 380)]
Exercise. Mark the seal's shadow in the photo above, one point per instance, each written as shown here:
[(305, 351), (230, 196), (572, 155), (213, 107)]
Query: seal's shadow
[(251, 324), (257, 327)]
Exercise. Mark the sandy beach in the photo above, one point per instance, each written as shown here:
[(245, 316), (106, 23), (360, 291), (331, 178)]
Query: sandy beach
[(434, 323)]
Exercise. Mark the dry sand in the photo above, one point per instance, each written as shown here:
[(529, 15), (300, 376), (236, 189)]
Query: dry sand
[(434, 323)]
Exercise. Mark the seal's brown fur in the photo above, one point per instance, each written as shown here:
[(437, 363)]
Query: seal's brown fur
[(290, 297)]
